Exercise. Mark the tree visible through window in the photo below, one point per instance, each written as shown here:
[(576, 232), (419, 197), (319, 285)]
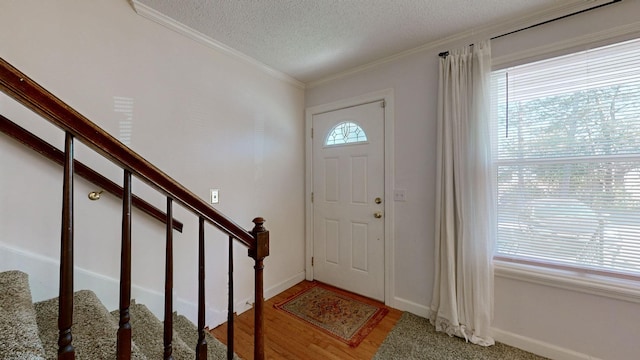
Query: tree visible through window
[(345, 133), (568, 159)]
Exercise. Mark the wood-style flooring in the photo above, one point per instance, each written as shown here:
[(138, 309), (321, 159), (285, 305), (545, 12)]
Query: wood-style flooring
[(287, 337)]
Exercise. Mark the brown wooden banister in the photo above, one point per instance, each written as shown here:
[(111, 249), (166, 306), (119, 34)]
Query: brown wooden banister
[(31, 95), (124, 323), (52, 153), (168, 286), (65, 303)]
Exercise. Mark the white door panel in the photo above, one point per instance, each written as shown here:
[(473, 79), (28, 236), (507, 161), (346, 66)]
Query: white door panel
[(348, 238)]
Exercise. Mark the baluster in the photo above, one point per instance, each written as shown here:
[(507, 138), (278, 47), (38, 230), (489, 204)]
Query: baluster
[(230, 326), (124, 331), (258, 254), (168, 286), (201, 348), (65, 304)]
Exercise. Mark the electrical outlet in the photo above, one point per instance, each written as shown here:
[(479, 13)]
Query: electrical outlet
[(214, 196)]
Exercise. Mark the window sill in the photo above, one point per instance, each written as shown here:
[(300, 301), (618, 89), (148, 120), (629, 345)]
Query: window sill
[(614, 288)]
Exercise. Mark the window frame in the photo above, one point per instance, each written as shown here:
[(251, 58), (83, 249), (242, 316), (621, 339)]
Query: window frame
[(597, 282), (346, 143)]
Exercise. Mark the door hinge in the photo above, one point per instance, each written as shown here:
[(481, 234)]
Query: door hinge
[(312, 260), (311, 197), (383, 104)]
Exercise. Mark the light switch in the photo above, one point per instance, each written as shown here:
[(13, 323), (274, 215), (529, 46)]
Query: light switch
[(214, 196), (399, 195)]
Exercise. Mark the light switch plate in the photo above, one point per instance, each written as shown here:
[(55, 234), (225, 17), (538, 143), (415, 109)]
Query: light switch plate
[(400, 195), (214, 196)]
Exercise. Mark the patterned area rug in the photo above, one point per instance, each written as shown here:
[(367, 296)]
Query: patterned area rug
[(334, 312)]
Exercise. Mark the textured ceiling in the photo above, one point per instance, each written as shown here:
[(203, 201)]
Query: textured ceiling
[(312, 39)]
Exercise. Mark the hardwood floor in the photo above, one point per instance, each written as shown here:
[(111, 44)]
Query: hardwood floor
[(287, 337)]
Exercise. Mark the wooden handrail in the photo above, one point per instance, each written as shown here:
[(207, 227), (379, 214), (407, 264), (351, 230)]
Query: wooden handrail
[(52, 153), (27, 92)]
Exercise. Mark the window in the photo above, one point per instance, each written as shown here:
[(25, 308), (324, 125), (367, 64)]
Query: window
[(345, 133), (567, 156)]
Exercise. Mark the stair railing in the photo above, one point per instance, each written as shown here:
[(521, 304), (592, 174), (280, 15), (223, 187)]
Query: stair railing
[(52, 153), (27, 92)]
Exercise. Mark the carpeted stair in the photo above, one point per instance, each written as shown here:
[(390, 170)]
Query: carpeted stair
[(148, 331), (94, 329), (189, 332), (30, 331), (18, 329)]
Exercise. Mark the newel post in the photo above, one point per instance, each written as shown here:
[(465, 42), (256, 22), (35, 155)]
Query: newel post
[(258, 254)]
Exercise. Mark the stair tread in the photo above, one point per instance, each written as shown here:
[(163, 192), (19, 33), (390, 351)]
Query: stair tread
[(189, 333), (94, 330), (148, 334), (19, 337)]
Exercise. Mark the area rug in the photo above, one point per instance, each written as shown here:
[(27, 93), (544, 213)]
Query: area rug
[(334, 312)]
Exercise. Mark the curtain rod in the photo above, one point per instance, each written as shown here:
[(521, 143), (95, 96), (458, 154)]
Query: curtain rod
[(445, 53)]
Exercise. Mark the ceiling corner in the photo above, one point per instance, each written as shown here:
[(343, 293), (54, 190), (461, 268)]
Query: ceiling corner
[(151, 14)]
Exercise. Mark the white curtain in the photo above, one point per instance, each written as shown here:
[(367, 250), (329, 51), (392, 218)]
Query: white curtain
[(462, 303)]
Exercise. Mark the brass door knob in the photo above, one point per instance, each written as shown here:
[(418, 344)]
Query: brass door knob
[(377, 214)]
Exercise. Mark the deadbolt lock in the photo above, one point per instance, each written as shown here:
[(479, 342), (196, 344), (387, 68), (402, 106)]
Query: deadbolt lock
[(378, 200)]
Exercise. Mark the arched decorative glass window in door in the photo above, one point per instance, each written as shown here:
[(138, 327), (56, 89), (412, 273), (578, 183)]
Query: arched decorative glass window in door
[(345, 133)]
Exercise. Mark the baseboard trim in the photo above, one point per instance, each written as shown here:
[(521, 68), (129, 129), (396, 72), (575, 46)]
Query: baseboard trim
[(43, 278), (247, 303), (284, 285), (522, 342), (538, 347), (409, 306)]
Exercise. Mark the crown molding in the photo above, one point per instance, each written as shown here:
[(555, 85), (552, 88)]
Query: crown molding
[(472, 34), (156, 16), (482, 32)]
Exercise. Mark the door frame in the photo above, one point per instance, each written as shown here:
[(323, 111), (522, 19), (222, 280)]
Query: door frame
[(387, 96)]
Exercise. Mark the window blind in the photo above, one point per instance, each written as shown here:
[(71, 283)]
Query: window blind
[(567, 157)]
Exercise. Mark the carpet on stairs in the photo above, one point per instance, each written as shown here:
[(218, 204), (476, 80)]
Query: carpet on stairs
[(147, 332), (189, 332), (30, 331), (94, 329), (19, 337)]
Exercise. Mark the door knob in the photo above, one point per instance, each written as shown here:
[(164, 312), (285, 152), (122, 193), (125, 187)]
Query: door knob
[(377, 214), (378, 200)]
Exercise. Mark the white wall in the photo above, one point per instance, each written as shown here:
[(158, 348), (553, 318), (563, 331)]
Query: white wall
[(414, 131), (555, 322), (206, 118)]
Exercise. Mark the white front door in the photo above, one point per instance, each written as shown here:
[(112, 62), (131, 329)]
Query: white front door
[(348, 191)]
